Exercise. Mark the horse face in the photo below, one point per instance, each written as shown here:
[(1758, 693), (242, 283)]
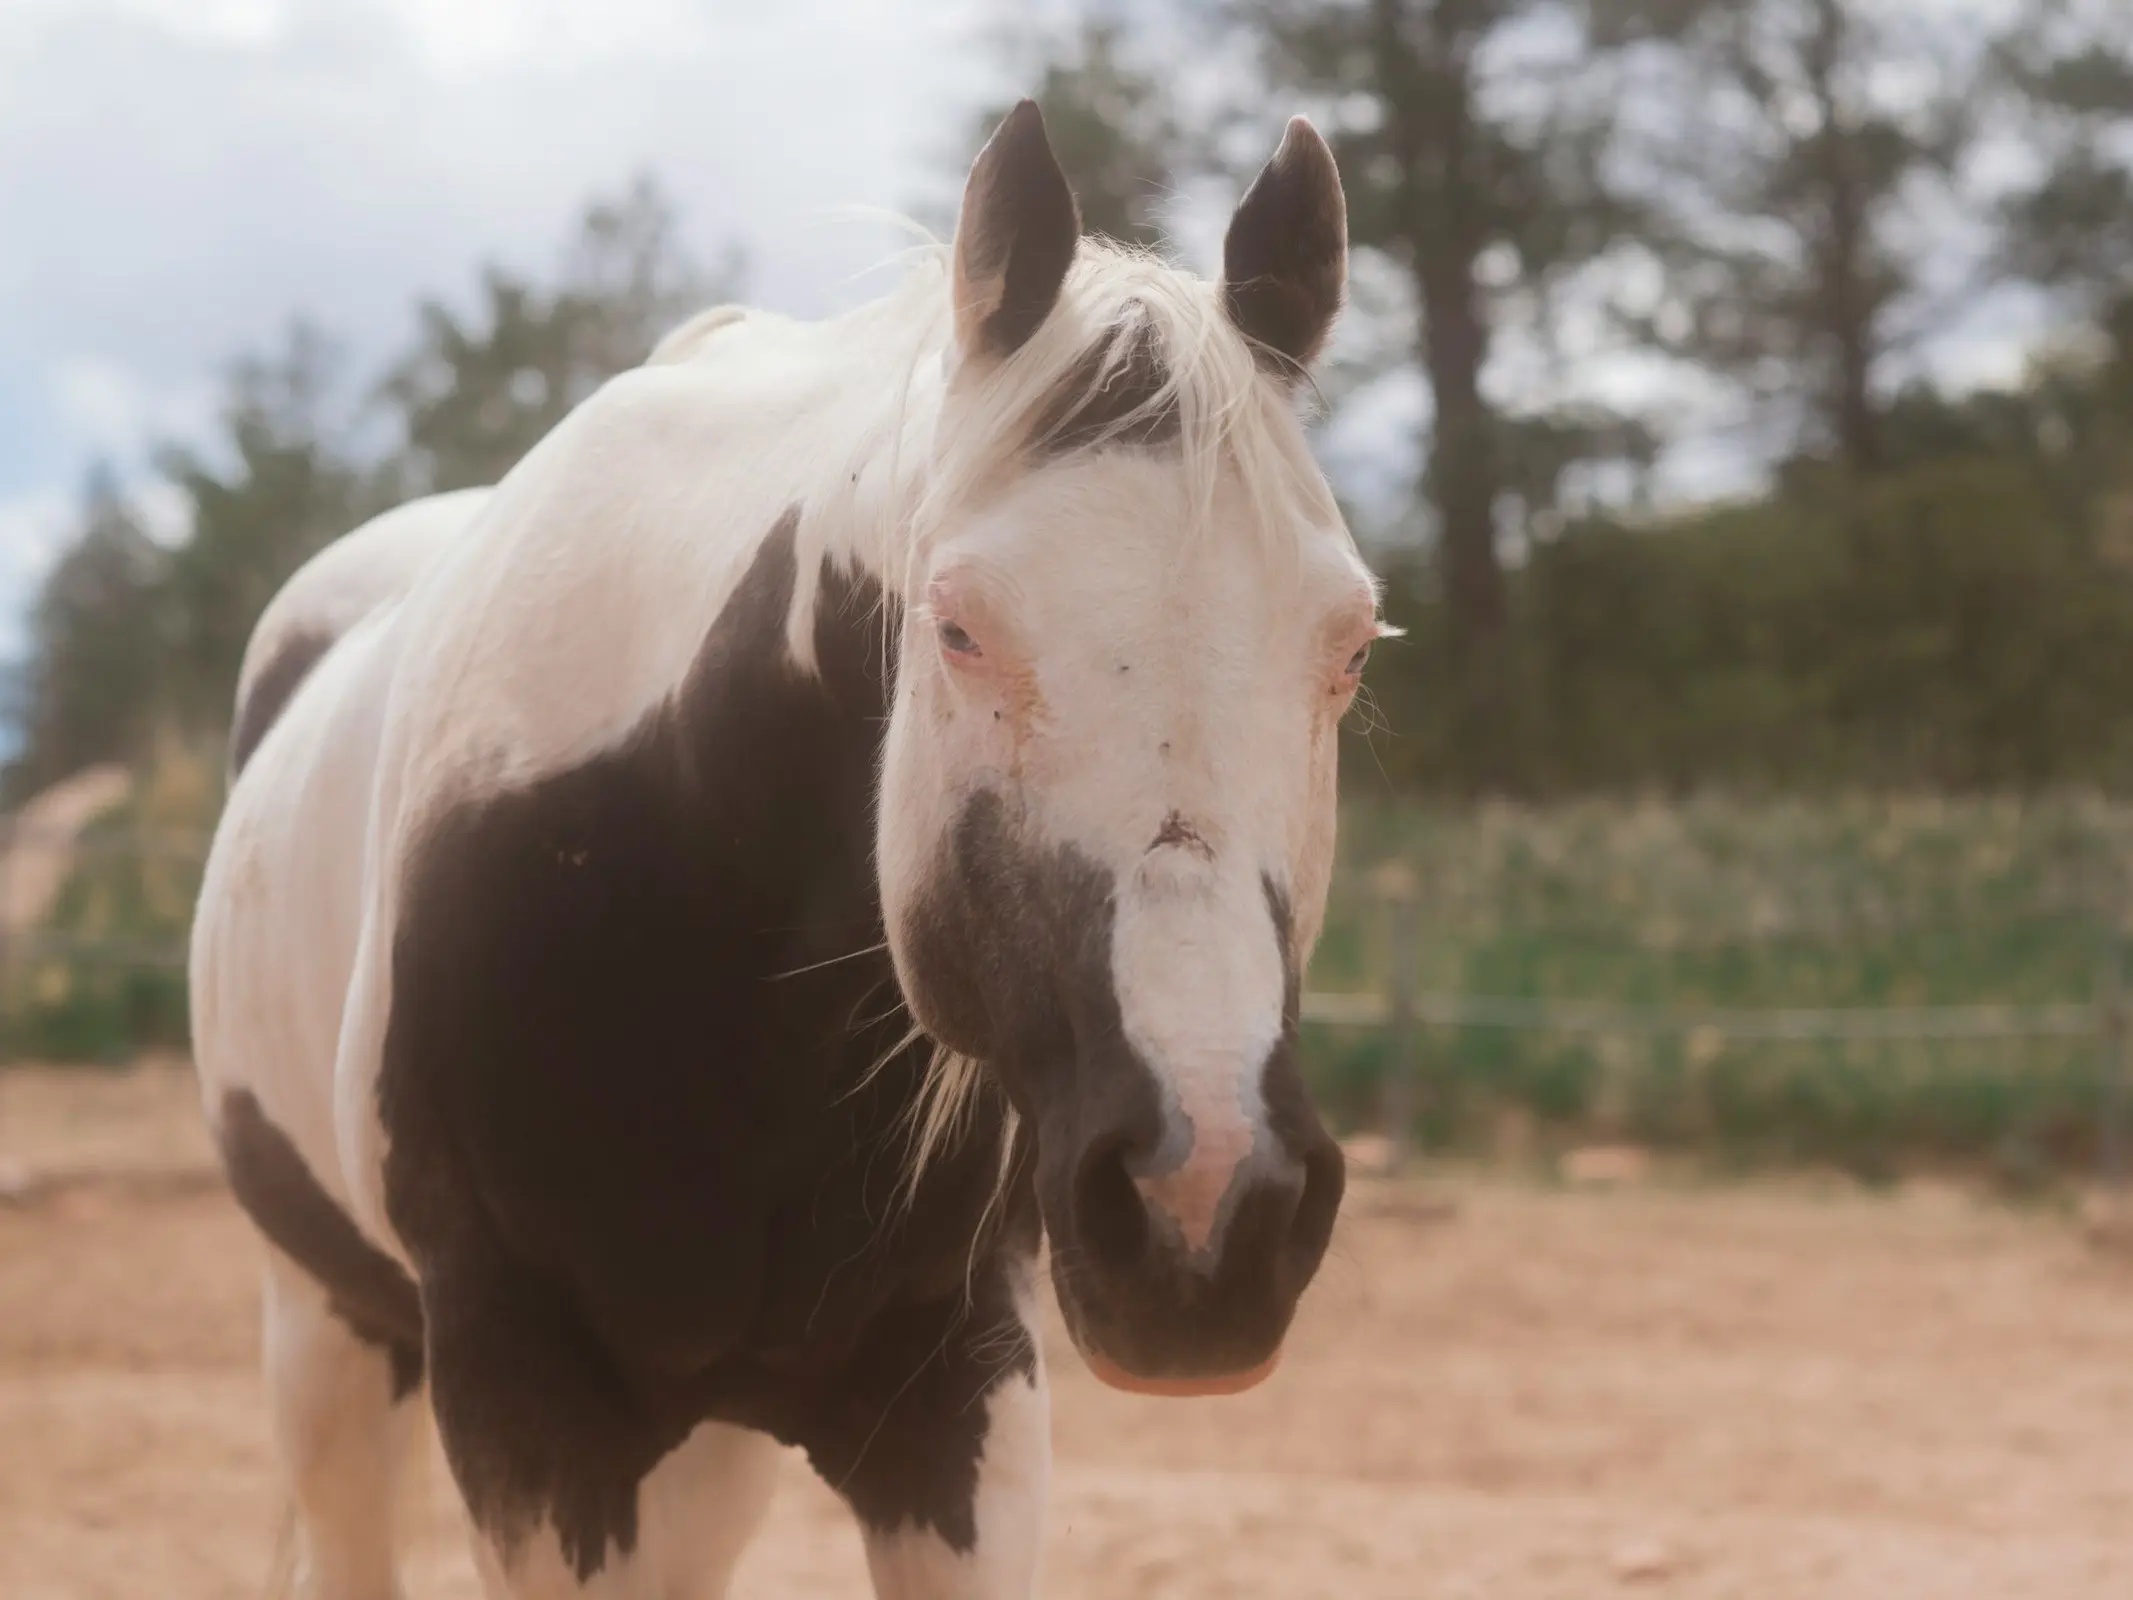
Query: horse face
[(1106, 833), (1107, 803)]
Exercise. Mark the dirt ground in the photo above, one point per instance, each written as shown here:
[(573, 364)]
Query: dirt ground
[(1523, 1393)]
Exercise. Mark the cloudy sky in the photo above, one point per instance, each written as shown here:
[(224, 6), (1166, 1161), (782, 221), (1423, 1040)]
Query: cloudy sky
[(178, 178)]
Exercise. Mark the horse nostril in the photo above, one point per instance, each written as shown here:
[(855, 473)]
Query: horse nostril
[(1108, 1212)]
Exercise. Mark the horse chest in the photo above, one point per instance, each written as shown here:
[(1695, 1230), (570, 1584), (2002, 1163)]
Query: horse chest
[(635, 1059)]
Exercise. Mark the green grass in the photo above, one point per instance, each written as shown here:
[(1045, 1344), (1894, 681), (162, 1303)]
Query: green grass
[(1702, 905), (1710, 905), (108, 981)]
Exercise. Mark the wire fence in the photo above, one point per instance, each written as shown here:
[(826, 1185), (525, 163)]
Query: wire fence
[(99, 916), (95, 910), (1404, 1012), (41, 861)]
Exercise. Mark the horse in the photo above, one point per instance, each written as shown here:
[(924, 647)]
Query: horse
[(700, 927)]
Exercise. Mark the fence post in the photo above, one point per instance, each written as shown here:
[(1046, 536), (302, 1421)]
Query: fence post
[(1395, 884), (2111, 1016)]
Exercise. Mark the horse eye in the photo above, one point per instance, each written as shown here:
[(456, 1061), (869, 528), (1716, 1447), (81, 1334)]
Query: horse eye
[(957, 640), (1357, 661)]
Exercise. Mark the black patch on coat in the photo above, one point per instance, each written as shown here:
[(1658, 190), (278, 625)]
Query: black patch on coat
[(900, 1433), (1011, 963), (1290, 1113), (1011, 944), (1111, 396), (272, 690), (365, 1287), (634, 1145), (1277, 907)]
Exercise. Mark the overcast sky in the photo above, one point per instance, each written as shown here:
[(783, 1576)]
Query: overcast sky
[(178, 178)]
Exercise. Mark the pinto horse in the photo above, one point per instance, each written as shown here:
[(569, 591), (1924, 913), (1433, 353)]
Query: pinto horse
[(693, 921)]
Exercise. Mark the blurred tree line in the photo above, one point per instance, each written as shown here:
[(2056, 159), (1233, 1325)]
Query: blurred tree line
[(1772, 202), (132, 640), (1760, 208)]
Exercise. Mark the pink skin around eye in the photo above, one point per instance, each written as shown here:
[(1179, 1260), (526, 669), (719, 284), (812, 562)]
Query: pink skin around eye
[(957, 629)]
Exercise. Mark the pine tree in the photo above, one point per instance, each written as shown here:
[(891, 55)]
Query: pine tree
[(476, 393), (87, 690), (2069, 226), (1482, 178), (1805, 139), (285, 481)]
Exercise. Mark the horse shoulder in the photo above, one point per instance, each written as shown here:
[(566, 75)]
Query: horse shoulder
[(579, 599), (329, 594)]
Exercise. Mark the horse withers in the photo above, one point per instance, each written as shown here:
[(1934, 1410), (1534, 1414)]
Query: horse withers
[(692, 921)]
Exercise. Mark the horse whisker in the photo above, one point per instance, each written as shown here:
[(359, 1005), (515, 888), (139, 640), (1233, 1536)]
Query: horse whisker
[(833, 961)]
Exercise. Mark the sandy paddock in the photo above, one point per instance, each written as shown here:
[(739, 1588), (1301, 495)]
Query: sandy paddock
[(1692, 1392)]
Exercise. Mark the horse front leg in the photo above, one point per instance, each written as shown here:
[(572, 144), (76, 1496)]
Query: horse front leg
[(940, 1441), (995, 1554)]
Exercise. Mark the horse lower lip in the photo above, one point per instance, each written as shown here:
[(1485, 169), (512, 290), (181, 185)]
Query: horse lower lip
[(1118, 1377)]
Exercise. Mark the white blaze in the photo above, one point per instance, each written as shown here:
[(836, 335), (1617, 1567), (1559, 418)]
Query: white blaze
[(1197, 971)]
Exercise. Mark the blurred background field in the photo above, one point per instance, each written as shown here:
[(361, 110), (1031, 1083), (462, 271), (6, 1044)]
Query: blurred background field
[(1591, 972), (1869, 915)]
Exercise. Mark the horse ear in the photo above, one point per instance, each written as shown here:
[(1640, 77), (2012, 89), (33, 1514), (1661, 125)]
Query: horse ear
[(1015, 239), (1285, 258)]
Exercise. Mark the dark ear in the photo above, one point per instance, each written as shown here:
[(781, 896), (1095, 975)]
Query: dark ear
[(1015, 239), (1285, 259)]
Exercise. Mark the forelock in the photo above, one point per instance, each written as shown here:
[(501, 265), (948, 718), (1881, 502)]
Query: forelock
[(1135, 354), (1122, 391)]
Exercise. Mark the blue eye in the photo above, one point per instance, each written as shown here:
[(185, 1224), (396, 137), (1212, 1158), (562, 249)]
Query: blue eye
[(957, 640), (1357, 661)]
